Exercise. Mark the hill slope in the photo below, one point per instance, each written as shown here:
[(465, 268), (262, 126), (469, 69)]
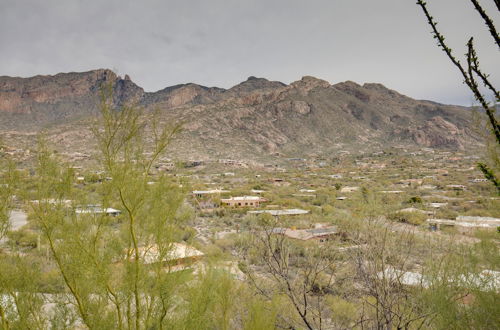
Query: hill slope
[(257, 116)]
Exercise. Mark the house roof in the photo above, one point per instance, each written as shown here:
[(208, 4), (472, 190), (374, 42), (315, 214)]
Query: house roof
[(243, 198), (486, 280), (281, 212), (306, 234), (176, 251), (208, 192), (470, 223), (96, 210)]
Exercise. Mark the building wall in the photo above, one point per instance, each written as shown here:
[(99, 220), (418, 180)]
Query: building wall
[(242, 203)]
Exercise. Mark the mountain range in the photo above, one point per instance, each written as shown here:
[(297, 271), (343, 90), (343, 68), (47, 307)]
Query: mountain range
[(254, 118)]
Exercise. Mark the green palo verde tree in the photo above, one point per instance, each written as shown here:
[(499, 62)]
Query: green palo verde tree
[(7, 182), (474, 76), (19, 304), (114, 269), (96, 271), (5, 205), (294, 279)]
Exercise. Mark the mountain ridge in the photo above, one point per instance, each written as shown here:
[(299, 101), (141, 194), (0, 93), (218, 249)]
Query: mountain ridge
[(309, 115)]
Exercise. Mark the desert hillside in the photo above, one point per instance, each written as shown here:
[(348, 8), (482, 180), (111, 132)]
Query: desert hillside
[(256, 117)]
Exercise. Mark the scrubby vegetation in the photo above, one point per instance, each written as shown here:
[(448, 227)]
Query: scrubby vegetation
[(103, 252)]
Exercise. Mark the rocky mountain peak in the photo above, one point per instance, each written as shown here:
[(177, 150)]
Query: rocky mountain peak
[(253, 84), (347, 85), (308, 82)]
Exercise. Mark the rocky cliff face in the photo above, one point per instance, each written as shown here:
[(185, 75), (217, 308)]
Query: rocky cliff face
[(309, 115), (20, 95), (42, 100)]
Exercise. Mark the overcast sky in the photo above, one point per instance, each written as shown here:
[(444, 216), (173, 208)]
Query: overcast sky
[(160, 43)]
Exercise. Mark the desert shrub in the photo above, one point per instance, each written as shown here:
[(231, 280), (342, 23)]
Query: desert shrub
[(344, 313), (226, 244), (415, 200), (413, 218), (327, 209), (320, 200), (24, 238), (220, 212), (188, 234), (446, 214)]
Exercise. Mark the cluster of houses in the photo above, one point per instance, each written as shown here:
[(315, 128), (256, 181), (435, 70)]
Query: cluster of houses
[(348, 186)]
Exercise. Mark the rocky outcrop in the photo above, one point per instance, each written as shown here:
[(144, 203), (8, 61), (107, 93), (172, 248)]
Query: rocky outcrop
[(55, 97), (308, 83), (254, 84), (18, 95), (438, 132), (300, 107)]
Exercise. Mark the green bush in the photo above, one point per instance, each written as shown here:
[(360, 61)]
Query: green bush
[(415, 200), (24, 238), (413, 218)]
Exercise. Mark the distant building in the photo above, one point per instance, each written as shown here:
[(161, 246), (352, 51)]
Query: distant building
[(232, 162), (243, 201), (437, 205), (409, 182), (465, 223), (456, 187), (177, 256), (486, 280), (96, 209), (258, 191), (52, 201), (277, 181), (202, 193), (281, 212), (320, 234), (478, 180), (193, 163), (349, 189), (167, 166)]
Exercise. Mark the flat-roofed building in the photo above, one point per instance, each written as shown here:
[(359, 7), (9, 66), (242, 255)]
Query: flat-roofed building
[(201, 193), (243, 201), (281, 212)]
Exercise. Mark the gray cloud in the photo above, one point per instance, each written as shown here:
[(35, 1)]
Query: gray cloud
[(221, 42)]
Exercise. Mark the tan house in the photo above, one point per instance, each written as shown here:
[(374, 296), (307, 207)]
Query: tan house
[(243, 201)]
